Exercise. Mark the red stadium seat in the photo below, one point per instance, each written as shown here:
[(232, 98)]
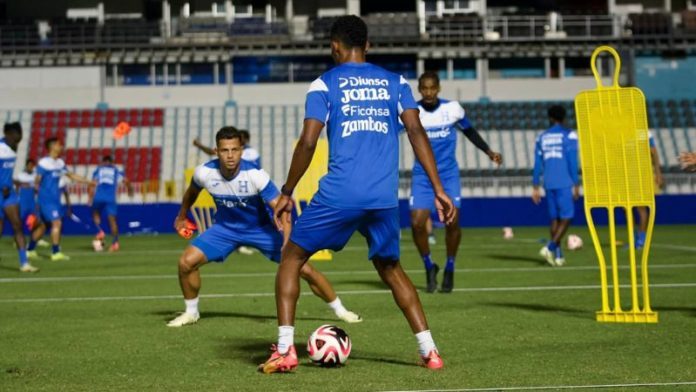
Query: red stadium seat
[(70, 156), (82, 157)]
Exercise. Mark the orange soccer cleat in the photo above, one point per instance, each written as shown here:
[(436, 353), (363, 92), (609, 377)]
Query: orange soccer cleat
[(280, 363)]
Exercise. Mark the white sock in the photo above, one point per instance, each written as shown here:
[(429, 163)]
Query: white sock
[(425, 342), (286, 338), (337, 306), (191, 306)]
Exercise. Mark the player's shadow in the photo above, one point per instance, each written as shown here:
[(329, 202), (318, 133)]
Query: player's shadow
[(525, 259), (253, 352), (167, 315), (379, 358), (570, 312), (8, 268), (685, 309)]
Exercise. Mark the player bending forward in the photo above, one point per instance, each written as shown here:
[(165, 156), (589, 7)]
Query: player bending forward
[(240, 192)]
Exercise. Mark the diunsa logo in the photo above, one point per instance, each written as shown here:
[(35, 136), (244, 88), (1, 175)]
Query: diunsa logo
[(355, 81)]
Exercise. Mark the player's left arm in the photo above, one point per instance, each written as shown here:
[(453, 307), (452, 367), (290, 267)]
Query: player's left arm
[(571, 154), (475, 137), (68, 203)]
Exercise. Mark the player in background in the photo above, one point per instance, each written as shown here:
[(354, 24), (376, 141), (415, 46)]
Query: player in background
[(687, 161), (441, 120), (360, 104), (641, 232), (102, 198), (9, 201), (24, 181), (250, 154), (241, 193), (556, 157), (49, 171)]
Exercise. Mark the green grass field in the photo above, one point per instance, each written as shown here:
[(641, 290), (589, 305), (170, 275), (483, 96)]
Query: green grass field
[(97, 322)]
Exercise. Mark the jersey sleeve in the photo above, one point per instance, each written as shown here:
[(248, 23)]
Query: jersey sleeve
[(317, 101), (41, 170), (95, 174), (266, 188), (406, 100), (463, 122), (198, 180)]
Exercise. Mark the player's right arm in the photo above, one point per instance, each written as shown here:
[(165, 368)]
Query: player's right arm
[(187, 201), (424, 154), (286, 224), (301, 158), (204, 148)]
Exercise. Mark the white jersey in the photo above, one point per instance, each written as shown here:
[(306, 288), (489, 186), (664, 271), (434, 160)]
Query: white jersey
[(241, 201)]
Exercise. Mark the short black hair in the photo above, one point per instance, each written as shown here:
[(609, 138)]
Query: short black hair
[(246, 136), (429, 75), (107, 159), (227, 133), (12, 127), (50, 141), (350, 30), (30, 160), (557, 113)]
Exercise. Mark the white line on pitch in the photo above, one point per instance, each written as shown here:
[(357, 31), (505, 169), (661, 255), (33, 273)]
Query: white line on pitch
[(556, 387), (346, 292), (540, 268)]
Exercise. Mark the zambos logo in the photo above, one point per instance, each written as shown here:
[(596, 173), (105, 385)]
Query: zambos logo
[(367, 125)]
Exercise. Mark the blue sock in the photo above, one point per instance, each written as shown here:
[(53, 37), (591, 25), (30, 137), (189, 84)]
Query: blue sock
[(449, 267), (427, 261), (56, 249), (22, 257), (559, 253), (640, 238), (115, 240), (32, 245), (552, 246)]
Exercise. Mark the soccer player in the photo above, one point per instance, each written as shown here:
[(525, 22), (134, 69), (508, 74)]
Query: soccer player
[(48, 174), (241, 193), (25, 181), (441, 120), (250, 154), (641, 233), (556, 156), (102, 198), (360, 103), (9, 201)]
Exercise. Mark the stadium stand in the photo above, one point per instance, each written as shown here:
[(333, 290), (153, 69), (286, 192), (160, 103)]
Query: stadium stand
[(159, 147)]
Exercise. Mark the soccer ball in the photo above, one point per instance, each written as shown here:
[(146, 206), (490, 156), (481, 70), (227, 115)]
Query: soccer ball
[(507, 233), (574, 242), (329, 346)]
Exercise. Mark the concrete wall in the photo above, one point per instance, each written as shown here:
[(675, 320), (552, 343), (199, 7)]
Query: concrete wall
[(78, 87)]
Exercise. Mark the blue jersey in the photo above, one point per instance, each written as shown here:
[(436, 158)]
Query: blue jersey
[(50, 170), (441, 125), (8, 157), (107, 178), (556, 156), (27, 196), (240, 201), (252, 156), (360, 104)]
